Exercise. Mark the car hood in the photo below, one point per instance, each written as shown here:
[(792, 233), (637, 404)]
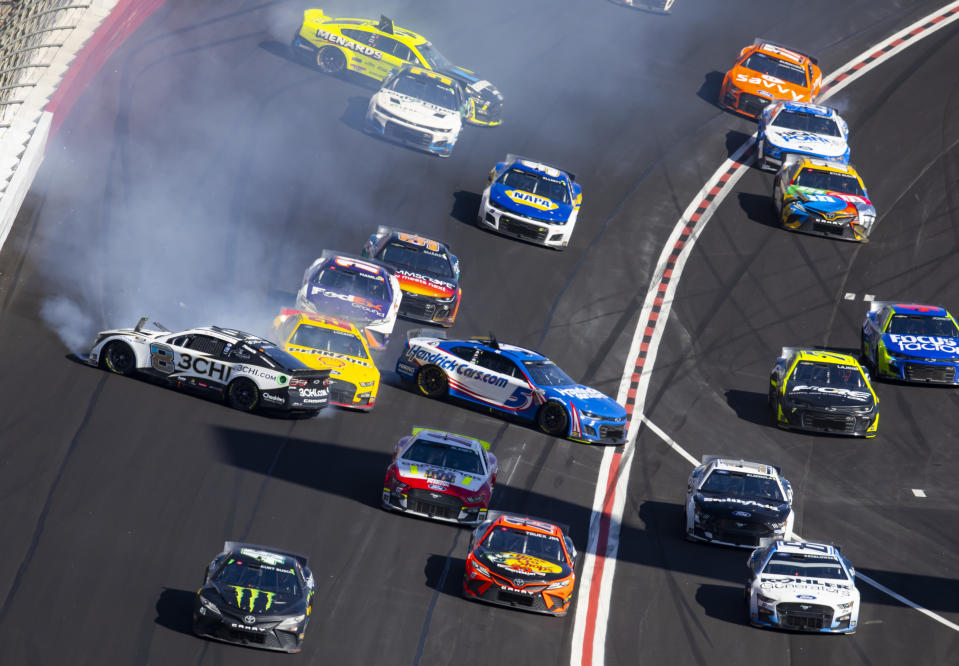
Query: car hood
[(475, 86), (356, 309), (249, 600), (788, 588), (356, 368), (737, 508), (806, 142), (768, 86), (586, 398), (417, 111), (829, 201), (528, 204), (827, 396), (423, 284), (516, 566), (922, 346), (440, 479)]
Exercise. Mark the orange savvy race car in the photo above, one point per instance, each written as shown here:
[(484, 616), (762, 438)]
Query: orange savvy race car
[(521, 562), (765, 72)]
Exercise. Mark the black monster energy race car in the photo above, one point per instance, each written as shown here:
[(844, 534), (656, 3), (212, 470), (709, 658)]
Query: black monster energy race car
[(255, 596)]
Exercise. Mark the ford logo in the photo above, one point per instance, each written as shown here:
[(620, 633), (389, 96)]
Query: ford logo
[(742, 514), (249, 619), (805, 596)]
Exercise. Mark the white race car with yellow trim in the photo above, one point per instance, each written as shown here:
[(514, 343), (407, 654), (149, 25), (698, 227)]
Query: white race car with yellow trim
[(532, 201), (328, 343)]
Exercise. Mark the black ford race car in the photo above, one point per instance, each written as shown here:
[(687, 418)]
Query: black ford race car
[(255, 596), (246, 371)]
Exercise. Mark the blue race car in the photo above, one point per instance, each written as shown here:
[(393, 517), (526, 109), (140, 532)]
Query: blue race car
[(362, 291), (911, 342), (514, 381), (800, 128), (531, 201)]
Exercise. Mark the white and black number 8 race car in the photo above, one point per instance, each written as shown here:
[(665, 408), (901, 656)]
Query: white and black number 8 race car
[(246, 371)]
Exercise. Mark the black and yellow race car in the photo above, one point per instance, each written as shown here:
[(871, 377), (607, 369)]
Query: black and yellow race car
[(378, 48)]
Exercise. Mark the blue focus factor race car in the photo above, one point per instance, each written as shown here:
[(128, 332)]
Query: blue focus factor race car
[(513, 381), (800, 128), (531, 201), (911, 342)]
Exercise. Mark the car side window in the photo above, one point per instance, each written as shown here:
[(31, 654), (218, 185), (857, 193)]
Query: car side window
[(206, 344), (465, 353), (497, 363), (402, 52), (360, 36)]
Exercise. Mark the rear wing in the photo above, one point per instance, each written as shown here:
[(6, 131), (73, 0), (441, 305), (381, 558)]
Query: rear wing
[(510, 158), (493, 515), (229, 546), (760, 40), (425, 333), (383, 230), (876, 306), (707, 458)]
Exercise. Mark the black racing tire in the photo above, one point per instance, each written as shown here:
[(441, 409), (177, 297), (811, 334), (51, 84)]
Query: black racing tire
[(330, 60), (432, 381), (118, 357), (761, 154), (553, 419), (772, 405), (242, 394)]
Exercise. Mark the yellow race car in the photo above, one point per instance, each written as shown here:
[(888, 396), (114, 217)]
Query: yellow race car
[(378, 48), (328, 343)]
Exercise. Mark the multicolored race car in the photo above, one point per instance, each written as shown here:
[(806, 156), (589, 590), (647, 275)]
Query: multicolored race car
[(521, 562), (514, 381), (358, 290), (377, 48), (441, 475), (822, 391), (911, 342), (800, 128), (532, 201), (328, 343), (823, 198), (765, 72), (428, 273)]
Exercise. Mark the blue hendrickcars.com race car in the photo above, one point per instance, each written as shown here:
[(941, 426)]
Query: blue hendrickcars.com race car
[(911, 342), (514, 381), (800, 128), (531, 201)]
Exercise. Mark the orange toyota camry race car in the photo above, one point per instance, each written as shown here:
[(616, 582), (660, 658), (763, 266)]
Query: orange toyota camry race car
[(765, 72), (521, 562)]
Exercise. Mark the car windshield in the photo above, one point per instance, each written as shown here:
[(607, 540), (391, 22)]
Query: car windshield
[(805, 565), (832, 375), (903, 324), (448, 456), (832, 181), (546, 373), (434, 58), (417, 259), (509, 540), (269, 352), (536, 183), (742, 485), (329, 340), (781, 69), (354, 282), (427, 89), (807, 122), (277, 577)]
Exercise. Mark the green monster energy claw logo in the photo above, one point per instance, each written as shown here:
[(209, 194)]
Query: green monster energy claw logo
[(254, 595)]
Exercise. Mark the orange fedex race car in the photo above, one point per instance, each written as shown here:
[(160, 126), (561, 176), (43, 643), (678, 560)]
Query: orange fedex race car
[(521, 562), (766, 72)]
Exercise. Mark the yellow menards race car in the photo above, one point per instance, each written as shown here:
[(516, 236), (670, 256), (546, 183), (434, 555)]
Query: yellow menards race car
[(328, 343), (378, 48)]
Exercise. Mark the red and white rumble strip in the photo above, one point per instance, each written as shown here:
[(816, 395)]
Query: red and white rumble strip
[(599, 561)]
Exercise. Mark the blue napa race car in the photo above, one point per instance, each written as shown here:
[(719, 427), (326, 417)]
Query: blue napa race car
[(800, 128), (911, 342), (531, 201), (514, 381)]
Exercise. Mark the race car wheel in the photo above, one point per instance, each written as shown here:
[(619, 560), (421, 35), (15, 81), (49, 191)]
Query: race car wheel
[(553, 419), (432, 381), (331, 60), (243, 394), (119, 358)]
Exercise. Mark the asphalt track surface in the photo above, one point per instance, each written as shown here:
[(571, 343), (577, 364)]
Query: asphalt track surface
[(203, 169)]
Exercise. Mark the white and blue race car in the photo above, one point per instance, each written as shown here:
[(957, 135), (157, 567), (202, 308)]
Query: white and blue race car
[(531, 201), (513, 381), (800, 128)]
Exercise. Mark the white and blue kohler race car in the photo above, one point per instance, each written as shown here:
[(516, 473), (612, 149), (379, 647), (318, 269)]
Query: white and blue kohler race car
[(800, 128)]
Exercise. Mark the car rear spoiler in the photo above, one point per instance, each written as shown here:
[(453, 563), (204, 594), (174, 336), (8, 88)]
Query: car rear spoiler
[(229, 546), (493, 515), (425, 333), (876, 306), (143, 320), (760, 40), (510, 158), (419, 429), (384, 229), (707, 458)]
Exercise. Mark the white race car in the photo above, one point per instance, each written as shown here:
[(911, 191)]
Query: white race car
[(800, 128), (244, 370), (419, 108), (802, 586), (737, 503)]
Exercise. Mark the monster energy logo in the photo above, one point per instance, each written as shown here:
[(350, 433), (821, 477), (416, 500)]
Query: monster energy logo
[(254, 595)]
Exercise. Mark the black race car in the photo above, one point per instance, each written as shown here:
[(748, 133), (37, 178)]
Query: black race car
[(255, 596)]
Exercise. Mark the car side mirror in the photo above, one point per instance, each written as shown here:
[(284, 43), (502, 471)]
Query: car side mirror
[(456, 265), (571, 549)]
